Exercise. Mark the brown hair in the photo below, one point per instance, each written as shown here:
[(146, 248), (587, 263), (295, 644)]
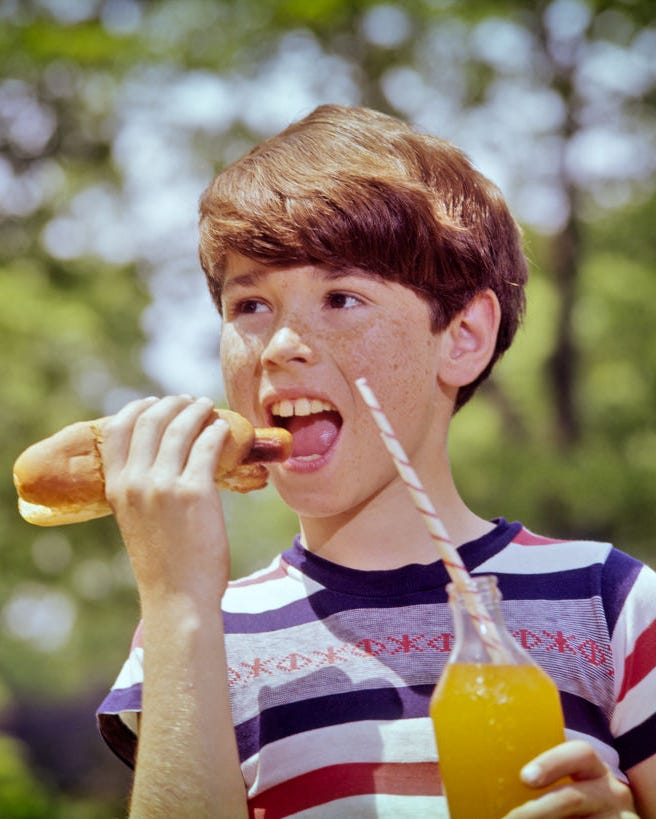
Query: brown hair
[(351, 187)]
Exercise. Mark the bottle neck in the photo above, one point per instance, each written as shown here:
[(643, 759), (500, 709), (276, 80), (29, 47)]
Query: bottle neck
[(469, 646)]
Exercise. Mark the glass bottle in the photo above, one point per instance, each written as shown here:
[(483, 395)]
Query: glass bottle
[(490, 716)]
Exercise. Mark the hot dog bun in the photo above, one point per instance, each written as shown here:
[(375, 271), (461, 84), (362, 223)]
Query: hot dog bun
[(60, 479)]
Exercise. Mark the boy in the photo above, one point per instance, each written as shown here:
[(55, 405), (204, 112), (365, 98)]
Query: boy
[(350, 246)]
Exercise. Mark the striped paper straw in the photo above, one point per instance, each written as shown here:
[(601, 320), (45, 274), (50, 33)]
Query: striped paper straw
[(447, 551)]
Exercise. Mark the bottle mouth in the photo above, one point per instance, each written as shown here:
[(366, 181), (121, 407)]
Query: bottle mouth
[(482, 585)]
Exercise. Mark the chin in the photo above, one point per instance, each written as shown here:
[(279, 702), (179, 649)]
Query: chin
[(308, 503)]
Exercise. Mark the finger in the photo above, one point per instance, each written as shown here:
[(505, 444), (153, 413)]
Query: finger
[(181, 433), (593, 797), (117, 432), (582, 784), (575, 758), (149, 429), (205, 454)]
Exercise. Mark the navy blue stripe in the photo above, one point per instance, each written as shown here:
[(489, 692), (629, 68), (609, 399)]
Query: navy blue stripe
[(619, 575), (292, 718), (572, 584), (477, 552), (637, 744), (404, 580), (118, 737), (122, 699), (581, 715), (374, 584), (112, 728), (334, 709)]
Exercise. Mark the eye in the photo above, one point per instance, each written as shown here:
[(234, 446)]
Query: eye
[(340, 301), (245, 307), (251, 306)]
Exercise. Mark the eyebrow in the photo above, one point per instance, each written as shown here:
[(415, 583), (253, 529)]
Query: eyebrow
[(253, 277), (243, 280)]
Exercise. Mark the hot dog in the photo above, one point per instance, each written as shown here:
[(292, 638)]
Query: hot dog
[(60, 479)]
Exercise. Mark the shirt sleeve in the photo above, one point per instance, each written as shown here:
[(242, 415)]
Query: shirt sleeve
[(634, 644), (117, 714)]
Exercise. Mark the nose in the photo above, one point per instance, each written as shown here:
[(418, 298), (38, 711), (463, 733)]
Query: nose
[(286, 347)]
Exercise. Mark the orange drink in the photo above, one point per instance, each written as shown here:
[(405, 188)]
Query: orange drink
[(489, 721)]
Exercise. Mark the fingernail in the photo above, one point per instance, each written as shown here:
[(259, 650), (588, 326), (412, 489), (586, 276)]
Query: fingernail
[(531, 774)]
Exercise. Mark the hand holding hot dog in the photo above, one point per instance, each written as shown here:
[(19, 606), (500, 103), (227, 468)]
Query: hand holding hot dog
[(61, 478)]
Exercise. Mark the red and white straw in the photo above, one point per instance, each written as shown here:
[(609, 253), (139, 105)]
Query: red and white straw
[(447, 551)]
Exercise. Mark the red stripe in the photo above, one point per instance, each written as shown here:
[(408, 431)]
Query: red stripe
[(137, 639), (526, 538), (340, 781), (279, 571), (453, 565), (640, 661)]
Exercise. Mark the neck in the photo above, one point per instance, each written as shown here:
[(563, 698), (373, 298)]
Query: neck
[(387, 531)]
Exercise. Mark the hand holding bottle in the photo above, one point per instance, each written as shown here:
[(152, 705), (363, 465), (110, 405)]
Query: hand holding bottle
[(592, 789)]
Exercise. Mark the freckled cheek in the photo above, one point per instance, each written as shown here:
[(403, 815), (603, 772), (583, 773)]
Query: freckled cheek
[(400, 368), (239, 360), (397, 361)]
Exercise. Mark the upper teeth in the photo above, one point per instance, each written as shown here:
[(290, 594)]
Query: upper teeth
[(300, 406)]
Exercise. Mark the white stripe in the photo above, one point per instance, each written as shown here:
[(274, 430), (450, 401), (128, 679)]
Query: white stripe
[(132, 671), (551, 557), (636, 706), (380, 806), (635, 614), (407, 740), (130, 674), (275, 593)]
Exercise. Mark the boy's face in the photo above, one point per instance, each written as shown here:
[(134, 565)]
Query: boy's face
[(294, 341)]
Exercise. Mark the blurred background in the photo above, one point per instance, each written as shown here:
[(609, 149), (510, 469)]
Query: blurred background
[(115, 114)]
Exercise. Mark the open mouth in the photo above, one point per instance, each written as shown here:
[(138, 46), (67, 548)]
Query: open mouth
[(313, 423)]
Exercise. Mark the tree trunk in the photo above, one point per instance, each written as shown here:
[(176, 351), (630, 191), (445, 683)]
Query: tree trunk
[(563, 363)]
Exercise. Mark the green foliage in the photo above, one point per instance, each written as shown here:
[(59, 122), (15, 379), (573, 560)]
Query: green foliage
[(505, 450), (86, 44), (21, 796)]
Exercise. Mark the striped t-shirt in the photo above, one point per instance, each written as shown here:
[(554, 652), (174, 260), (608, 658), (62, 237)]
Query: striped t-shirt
[(331, 669)]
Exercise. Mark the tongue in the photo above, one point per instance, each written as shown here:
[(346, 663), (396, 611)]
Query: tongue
[(313, 434)]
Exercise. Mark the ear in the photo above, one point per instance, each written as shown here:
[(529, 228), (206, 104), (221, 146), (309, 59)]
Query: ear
[(469, 341)]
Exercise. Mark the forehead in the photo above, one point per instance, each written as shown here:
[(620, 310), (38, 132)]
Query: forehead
[(240, 270), (237, 265)]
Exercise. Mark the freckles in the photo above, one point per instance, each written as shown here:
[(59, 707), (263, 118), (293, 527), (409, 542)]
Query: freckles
[(237, 348), (352, 349), (400, 351), (239, 355)]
